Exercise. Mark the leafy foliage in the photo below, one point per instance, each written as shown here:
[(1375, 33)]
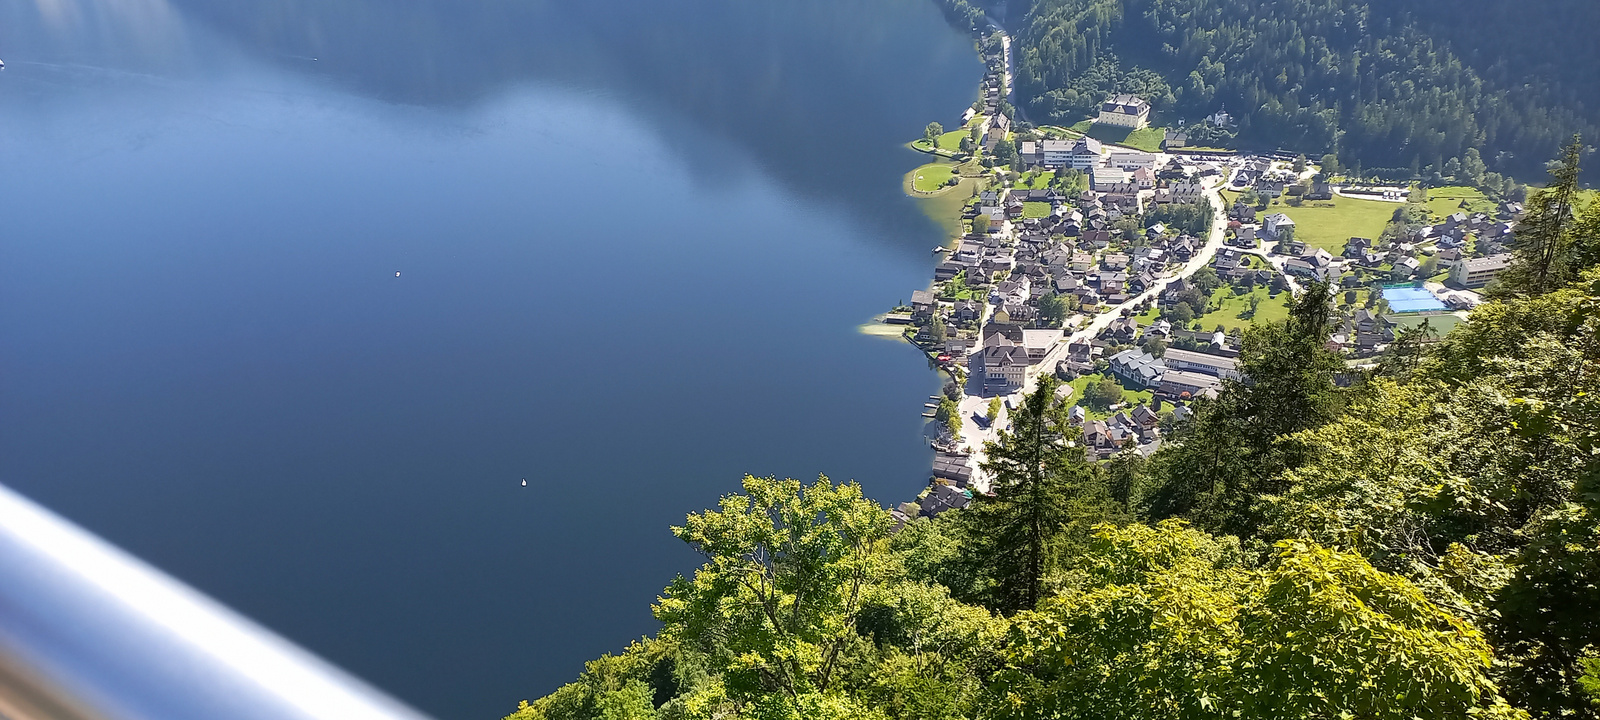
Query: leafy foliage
[(1545, 246), (1191, 218), (1168, 623), (1238, 445), (776, 603)]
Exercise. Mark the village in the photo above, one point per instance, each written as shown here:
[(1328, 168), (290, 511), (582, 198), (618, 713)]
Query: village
[(1129, 274)]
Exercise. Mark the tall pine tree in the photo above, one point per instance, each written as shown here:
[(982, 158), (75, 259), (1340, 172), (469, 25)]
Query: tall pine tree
[(1540, 261), (1042, 484)]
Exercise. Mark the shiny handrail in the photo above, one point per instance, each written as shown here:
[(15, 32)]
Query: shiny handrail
[(88, 632)]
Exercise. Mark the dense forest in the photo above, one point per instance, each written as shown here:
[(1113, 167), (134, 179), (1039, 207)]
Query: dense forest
[(1399, 87), (1417, 540)]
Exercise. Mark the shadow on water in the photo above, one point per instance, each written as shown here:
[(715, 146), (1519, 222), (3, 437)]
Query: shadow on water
[(820, 95), (209, 359)]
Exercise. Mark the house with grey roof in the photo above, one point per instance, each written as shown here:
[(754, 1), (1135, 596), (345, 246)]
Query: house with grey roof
[(1137, 368), (1182, 383), (999, 367), (1130, 111), (1190, 361)]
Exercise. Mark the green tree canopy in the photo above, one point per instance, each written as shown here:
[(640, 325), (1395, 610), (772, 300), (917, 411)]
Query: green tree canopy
[(775, 605), (1167, 623)]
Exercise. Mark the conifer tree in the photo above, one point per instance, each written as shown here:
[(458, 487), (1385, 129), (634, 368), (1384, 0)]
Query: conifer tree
[(1540, 255), (1042, 481)]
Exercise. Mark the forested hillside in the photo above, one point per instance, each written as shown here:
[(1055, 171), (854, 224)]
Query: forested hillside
[(1421, 540), (1381, 84)]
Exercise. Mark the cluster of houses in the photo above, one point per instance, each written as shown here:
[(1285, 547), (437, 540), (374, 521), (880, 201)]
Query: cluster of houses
[(1139, 428), (1178, 374), (1176, 377), (949, 489), (1074, 253), (1363, 333), (1270, 178), (1473, 249), (1091, 272), (993, 91), (1487, 239), (1123, 175), (951, 486)]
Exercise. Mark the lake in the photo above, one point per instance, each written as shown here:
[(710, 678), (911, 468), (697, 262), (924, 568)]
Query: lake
[(294, 294)]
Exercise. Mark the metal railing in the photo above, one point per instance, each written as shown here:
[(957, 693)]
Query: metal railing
[(88, 632)]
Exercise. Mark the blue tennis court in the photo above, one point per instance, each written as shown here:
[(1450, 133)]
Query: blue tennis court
[(1407, 299)]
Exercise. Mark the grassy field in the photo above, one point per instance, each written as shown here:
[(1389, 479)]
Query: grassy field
[(1128, 396), (1036, 209), (1233, 306), (1361, 294), (1446, 200), (951, 141), (1036, 180), (1441, 324), (1146, 139), (932, 176), (1328, 224)]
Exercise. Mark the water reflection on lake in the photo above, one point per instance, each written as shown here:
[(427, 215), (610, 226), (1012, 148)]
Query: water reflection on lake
[(635, 239)]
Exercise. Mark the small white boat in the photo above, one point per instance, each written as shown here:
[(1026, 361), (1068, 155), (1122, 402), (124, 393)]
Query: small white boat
[(938, 250), (2, 64), (524, 482), (397, 273)]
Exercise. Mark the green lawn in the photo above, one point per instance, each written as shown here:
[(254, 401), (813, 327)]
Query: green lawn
[(1128, 396), (1447, 200), (1360, 301), (1146, 139), (1327, 224), (952, 140), (1441, 324), (1036, 180), (1271, 309), (1036, 209), (932, 176)]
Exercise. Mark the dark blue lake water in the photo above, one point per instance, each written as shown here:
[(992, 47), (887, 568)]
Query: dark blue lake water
[(635, 239)]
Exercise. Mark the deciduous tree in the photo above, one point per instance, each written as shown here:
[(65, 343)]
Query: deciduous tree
[(774, 608)]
